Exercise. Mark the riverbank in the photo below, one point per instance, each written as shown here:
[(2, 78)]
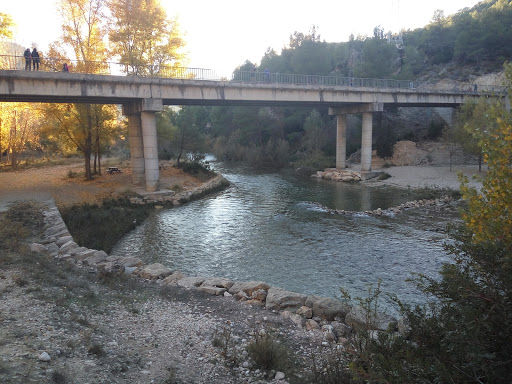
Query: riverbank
[(120, 330), (429, 176)]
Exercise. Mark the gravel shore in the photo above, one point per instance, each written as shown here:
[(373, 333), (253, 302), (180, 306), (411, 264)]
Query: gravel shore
[(68, 326), (429, 176)]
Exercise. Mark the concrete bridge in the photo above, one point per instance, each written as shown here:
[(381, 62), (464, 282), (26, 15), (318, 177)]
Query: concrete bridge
[(142, 97)]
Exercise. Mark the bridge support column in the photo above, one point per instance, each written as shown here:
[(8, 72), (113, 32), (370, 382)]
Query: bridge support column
[(149, 139), (143, 141), (341, 141), (136, 148), (366, 142)]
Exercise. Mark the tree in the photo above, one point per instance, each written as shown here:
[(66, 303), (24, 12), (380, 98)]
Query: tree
[(6, 25), (315, 136), (18, 128), (464, 334), (85, 31), (473, 118), (146, 41), (189, 137)]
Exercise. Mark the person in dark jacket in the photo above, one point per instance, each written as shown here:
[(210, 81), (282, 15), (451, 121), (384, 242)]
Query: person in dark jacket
[(35, 60), (28, 58)]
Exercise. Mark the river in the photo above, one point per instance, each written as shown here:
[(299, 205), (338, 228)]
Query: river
[(272, 227)]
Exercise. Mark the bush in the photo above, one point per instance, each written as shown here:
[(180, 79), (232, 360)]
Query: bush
[(102, 226), (268, 354)]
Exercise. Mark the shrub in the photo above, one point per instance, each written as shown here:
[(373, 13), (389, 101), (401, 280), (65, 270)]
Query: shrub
[(267, 353), (102, 226)]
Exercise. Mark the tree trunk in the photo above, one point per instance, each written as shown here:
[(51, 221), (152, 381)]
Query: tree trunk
[(480, 162), (98, 150), (14, 160), (88, 145), (182, 145)]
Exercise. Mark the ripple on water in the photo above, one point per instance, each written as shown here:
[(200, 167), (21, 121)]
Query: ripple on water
[(271, 227)]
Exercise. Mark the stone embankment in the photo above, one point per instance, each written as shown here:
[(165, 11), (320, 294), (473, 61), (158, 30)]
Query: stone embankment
[(325, 320), (168, 196), (440, 201)]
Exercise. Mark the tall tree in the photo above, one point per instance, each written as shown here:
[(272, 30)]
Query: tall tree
[(85, 30), (189, 137), (18, 129), (145, 40), (6, 25)]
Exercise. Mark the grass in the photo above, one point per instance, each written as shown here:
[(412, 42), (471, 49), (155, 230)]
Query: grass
[(268, 353), (100, 227)]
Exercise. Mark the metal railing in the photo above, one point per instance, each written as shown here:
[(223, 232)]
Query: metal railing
[(289, 78), (48, 64), (13, 62)]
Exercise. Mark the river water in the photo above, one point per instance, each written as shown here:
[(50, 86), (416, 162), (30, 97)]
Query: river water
[(270, 227)]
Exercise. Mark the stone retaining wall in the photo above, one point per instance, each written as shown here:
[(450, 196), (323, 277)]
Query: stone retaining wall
[(327, 319)]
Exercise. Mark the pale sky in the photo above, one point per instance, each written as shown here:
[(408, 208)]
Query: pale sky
[(222, 34)]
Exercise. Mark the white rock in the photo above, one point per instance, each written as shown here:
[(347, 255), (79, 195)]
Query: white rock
[(279, 376), (44, 357)]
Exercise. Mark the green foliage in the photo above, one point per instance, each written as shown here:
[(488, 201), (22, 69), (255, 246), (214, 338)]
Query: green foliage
[(6, 25), (226, 343), (102, 226), (198, 167), (268, 353), (464, 333)]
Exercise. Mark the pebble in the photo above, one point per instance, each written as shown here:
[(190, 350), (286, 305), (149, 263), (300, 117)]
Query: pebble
[(279, 376), (44, 357)]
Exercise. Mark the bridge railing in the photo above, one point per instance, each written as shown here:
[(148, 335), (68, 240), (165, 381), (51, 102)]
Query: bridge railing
[(13, 62), (289, 78), (49, 64)]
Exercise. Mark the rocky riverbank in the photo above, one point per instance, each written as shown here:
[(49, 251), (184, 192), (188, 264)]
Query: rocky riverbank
[(314, 322), (108, 319)]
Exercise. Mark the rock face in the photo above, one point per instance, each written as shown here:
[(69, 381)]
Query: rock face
[(406, 153), (280, 299)]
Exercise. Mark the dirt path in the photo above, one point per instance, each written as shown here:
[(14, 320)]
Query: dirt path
[(53, 183)]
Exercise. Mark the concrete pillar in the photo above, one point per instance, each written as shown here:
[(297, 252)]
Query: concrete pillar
[(136, 148), (341, 141), (152, 173), (366, 142)]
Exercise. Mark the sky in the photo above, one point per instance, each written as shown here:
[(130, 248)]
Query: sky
[(223, 34)]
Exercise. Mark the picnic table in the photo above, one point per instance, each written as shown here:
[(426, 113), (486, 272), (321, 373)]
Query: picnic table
[(112, 170)]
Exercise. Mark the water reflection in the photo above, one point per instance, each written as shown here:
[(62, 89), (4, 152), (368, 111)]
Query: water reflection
[(266, 227)]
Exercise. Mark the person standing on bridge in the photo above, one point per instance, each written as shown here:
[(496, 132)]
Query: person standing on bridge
[(35, 59), (267, 74), (65, 67), (28, 59)]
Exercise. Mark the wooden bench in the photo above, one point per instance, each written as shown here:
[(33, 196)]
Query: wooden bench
[(112, 170)]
